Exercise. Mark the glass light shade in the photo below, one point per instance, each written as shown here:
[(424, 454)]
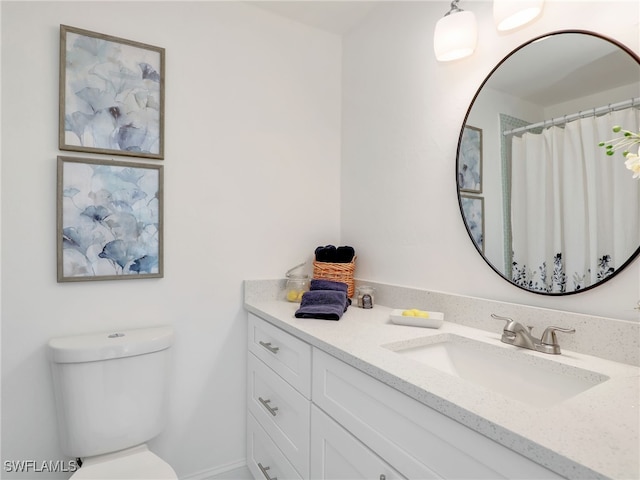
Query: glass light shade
[(510, 14), (455, 36)]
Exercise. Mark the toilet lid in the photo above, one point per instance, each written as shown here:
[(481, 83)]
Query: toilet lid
[(143, 465)]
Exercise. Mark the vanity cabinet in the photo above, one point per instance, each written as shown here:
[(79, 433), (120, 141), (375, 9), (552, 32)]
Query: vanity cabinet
[(328, 420), (264, 458), (279, 403), (415, 439), (336, 454)]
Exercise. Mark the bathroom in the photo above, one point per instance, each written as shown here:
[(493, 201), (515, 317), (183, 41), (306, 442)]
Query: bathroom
[(261, 110)]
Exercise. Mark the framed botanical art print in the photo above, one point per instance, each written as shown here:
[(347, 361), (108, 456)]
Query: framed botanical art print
[(111, 95), (109, 220), (473, 213), (470, 160)]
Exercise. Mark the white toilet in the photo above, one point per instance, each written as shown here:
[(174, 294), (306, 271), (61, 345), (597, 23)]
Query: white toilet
[(111, 398)]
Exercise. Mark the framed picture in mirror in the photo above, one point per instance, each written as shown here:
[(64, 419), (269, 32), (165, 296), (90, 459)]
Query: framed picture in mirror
[(473, 210), (470, 160)]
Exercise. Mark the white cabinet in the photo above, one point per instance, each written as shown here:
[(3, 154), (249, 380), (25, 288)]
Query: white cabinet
[(264, 458), (415, 439), (285, 354), (278, 400), (335, 453), (281, 410), (313, 416)]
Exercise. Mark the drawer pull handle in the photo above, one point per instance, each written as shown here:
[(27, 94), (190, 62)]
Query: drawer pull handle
[(264, 472), (383, 477), (272, 410), (269, 347)]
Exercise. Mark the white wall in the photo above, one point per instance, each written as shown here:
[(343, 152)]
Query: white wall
[(251, 188), (402, 114)]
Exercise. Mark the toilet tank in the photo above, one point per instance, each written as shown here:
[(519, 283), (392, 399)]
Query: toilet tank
[(111, 389)]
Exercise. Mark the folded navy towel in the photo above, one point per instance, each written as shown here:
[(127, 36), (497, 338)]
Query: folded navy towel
[(319, 284), (323, 304)]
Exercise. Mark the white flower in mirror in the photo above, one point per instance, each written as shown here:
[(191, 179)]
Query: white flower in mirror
[(626, 141)]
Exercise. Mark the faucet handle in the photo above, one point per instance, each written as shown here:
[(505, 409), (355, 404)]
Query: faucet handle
[(508, 332), (550, 340), (509, 321)]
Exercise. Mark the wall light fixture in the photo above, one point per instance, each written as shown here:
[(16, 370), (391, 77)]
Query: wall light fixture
[(510, 14), (456, 34)]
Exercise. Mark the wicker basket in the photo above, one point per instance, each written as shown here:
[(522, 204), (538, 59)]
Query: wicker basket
[(337, 272)]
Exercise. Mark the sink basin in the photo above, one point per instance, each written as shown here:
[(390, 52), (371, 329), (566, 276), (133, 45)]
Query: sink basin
[(528, 378)]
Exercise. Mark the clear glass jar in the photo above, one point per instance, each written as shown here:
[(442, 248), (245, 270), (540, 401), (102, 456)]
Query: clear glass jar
[(365, 296), (296, 286)]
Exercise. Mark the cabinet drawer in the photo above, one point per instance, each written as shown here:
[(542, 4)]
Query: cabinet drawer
[(336, 454), (263, 457), (418, 441), (282, 411), (288, 356)]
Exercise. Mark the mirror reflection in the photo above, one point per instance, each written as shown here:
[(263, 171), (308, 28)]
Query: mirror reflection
[(543, 204)]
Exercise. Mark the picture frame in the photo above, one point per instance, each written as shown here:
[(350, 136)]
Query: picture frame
[(109, 220), (111, 95), (470, 160), (473, 214)]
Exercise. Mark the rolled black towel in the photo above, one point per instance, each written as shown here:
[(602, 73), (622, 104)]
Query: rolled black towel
[(345, 254), (332, 254), (320, 284), (323, 304), (326, 253)]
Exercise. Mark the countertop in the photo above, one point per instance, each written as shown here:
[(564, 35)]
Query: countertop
[(591, 435)]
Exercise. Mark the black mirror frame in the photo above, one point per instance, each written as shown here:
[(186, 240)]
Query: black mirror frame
[(464, 122)]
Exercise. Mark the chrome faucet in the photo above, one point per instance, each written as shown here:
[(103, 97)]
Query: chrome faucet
[(514, 333)]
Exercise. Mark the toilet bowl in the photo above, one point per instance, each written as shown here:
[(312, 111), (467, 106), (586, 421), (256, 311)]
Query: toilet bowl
[(133, 463), (111, 399)]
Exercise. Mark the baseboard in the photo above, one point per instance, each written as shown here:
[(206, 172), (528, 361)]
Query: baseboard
[(231, 471)]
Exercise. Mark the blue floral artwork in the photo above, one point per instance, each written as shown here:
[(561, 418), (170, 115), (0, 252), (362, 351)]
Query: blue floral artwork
[(109, 220), (111, 95)]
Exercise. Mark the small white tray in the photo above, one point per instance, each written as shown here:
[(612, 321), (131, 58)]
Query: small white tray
[(435, 319)]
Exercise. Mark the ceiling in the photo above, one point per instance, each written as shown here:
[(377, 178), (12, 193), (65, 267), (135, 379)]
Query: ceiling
[(333, 16), (566, 67)]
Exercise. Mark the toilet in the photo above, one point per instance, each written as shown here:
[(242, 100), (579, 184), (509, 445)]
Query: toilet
[(111, 398)]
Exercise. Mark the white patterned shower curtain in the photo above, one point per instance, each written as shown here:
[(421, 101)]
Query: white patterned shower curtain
[(575, 211)]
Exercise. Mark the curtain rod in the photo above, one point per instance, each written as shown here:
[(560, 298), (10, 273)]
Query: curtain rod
[(592, 112)]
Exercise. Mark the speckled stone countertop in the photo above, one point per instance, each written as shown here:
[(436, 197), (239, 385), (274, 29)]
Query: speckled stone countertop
[(591, 435)]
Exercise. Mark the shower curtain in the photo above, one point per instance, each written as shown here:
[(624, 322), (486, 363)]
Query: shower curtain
[(575, 210)]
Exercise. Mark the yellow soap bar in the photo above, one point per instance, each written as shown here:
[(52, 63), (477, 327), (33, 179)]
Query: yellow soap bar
[(414, 312)]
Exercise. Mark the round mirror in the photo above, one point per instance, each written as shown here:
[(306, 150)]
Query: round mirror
[(544, 205)]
